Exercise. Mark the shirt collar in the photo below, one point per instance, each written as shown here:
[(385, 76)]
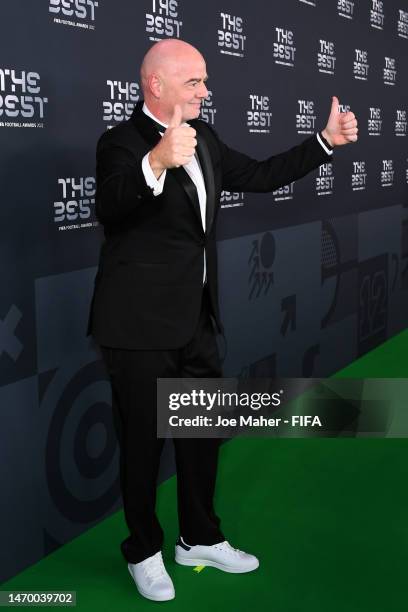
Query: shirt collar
[(150, 114)]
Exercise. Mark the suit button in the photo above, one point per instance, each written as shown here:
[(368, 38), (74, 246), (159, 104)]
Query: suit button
[(139, 197)]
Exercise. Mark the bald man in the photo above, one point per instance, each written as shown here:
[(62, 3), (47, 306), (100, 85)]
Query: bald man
[(155, 307)]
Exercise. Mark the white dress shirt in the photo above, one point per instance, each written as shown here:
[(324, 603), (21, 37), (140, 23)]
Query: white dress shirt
[(193, 170)]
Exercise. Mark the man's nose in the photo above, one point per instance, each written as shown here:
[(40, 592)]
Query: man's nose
[(203, 92)]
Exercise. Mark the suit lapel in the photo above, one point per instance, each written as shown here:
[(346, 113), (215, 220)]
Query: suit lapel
[(145, 125), (208, 173)]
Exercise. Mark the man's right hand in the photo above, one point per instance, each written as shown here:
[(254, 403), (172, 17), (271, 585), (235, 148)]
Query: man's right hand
[(176, 148)]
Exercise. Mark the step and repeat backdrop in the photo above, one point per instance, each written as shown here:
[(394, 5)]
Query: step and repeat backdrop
[(311, 276)]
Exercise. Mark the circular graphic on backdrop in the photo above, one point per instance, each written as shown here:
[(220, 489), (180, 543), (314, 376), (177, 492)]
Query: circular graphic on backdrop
[(81, 446)]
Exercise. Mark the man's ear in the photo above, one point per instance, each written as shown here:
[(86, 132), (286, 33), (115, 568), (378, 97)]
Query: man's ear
[(155, 85)]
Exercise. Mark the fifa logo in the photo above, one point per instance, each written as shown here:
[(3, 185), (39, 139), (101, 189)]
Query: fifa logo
[(389, 71), (77, 9), (284, 193), (402, 24), (325, 180), (377, 14), (77, 199), (345, 8), (284, 47), (231, 199), (387, 173), (163, 20), (360, 65), (20, 95), (374, 121), (306, 118), (231, 39), (122, 99), (359, 176), (326, 59), (259, 115), (401, 123)]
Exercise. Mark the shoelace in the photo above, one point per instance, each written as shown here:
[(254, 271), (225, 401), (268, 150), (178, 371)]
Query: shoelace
[(154, 567), (226, 547)]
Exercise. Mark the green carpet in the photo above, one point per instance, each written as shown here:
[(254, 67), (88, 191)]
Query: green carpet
[(326, 517), (387, 361)]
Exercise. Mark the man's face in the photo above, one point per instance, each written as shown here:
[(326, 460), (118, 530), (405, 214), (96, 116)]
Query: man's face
[(183, 83)]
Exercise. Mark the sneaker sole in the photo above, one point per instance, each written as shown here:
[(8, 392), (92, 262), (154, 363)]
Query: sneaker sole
[(220, 566), (147, 595)]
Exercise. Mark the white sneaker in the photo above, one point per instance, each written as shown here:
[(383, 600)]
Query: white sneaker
[(221, 555), (151, 578)]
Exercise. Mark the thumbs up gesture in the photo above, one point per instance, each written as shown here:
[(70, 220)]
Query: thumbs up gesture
[(341, 128), (177, 146), (176, 119)]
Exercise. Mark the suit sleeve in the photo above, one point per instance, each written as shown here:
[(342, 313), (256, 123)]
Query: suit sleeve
[(120, 184), (243, 173)]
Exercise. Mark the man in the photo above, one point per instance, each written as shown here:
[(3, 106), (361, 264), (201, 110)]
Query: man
[(155, 308)]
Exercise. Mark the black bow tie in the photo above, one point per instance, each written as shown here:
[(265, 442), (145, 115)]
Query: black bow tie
[(158, 126)]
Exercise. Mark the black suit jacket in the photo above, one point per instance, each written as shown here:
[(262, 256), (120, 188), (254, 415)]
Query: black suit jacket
[(150, 277)]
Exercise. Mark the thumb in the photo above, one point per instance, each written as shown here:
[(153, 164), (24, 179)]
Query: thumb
[(335, 106), (177, 117)]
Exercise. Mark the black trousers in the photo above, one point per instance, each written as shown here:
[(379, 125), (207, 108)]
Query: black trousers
[(133, 375)]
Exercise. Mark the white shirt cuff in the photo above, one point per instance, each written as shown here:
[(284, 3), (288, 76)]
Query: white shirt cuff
[(328, 151), (155, 184)]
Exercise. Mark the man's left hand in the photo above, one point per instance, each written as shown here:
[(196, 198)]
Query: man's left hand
[(341, 128)]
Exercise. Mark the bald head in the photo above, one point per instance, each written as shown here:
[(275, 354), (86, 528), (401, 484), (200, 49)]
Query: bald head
[(173, 71), (166, 56)]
